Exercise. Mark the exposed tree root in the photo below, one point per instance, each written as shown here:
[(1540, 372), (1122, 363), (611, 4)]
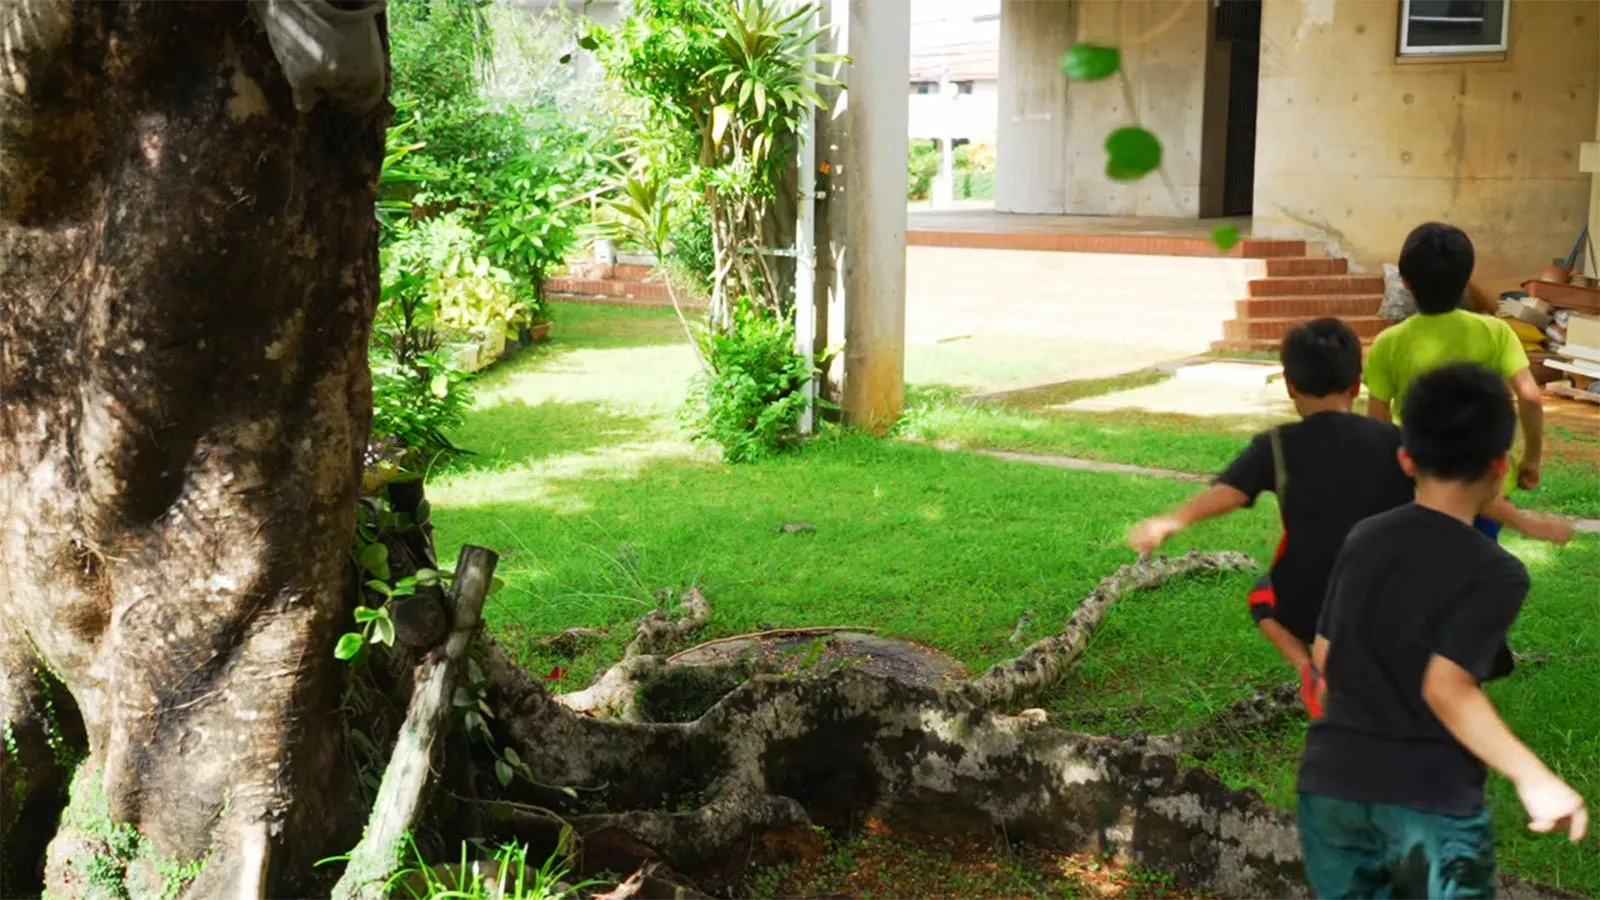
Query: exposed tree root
[(1042, 664), (1266, 707), (777, 755)]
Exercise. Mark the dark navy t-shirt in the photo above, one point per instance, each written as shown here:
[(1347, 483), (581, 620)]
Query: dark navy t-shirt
[(1410, 584), (1341, 468)]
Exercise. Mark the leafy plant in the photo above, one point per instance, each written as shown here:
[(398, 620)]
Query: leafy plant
[(508, 876), (727, 82), (751, 400)]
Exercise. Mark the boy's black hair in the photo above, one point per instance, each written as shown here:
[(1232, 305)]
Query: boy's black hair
[(1436, 263), (1321, 357), (1457, 420)]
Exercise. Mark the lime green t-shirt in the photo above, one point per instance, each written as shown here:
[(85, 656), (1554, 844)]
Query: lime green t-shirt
[(1422, 343)]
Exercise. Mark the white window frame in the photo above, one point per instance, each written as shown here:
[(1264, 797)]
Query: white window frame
[(1455, 50)]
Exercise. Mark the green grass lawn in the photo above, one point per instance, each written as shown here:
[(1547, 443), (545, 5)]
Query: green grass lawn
[(581, 479)]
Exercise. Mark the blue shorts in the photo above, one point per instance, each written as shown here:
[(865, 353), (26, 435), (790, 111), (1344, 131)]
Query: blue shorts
[(1488, 526), (1382, 851)]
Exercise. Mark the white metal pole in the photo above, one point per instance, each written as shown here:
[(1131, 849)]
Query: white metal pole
[(805, 257)]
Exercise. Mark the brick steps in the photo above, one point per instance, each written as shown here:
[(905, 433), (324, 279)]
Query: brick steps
[(1131, 244), (1273, 329), (1291, 267), (1305, 306), (1317, 285)]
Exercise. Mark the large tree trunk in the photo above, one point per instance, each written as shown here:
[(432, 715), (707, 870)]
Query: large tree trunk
[(188, 272)]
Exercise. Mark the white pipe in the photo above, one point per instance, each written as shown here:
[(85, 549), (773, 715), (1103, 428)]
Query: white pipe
[(805, 245)]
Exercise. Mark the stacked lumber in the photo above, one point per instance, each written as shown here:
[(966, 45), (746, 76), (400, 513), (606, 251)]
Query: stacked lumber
[(1559, 325)]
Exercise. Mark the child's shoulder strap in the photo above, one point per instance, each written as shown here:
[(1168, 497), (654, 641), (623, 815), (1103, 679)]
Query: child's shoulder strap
[(1280, 472)]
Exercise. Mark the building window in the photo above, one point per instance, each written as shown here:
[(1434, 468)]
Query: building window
[(963, 87), (924, 87), (1452, 27)]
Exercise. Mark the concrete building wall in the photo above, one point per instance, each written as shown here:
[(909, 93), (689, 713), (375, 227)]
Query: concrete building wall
[(1354, 148), (1051, 136)]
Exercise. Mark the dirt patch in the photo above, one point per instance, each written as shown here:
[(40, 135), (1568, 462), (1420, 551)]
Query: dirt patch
[(878, 863), (809, 651)]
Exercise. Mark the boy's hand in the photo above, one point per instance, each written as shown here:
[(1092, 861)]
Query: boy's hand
[(1150, 534), (1553, 806), (1528, 474), (1313, 690)]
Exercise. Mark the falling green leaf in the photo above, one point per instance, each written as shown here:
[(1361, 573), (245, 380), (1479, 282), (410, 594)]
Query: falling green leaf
[(349, 645), (1225, 237), (1132, 153), (495, 584), (588, 42), (566, 58), (1091, 62), (375, 560), (502, 771)]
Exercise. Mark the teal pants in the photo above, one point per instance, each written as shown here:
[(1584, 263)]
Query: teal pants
[(1377, 850)]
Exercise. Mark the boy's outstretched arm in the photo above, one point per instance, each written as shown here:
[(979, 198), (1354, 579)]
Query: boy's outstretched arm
[(1379, 409), (1465, 711), (1530, 411), (1217, 500), (1538, 526)]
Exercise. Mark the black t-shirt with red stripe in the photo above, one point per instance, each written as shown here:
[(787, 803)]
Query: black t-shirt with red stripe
[(1341, 468)]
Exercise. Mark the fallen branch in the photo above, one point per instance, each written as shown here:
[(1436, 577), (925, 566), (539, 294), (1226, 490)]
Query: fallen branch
[(1266, 707), (658, 630), (772, 632), (376, 858), (1043, 663)]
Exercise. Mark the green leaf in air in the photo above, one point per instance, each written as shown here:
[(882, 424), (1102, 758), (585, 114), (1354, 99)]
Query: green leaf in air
[(495, 584), (502, 771), (588, 42), (375, 560), (349, 645), (1091, 62), (1132, 153), (1225, 237)]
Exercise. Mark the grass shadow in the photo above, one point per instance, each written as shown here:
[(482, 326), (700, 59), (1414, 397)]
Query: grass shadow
[(516, 433)]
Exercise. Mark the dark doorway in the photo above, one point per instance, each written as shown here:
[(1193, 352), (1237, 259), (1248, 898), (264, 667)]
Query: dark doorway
[(1238, 29)]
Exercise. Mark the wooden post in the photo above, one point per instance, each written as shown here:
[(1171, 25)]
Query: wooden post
[(400, 797), (879, 74)]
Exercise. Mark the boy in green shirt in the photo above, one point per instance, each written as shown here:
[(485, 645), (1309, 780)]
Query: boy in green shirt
[(1436, 264)]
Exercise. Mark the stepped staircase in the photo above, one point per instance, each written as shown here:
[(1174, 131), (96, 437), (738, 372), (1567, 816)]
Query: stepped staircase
[(1295, 289), (636, 283)]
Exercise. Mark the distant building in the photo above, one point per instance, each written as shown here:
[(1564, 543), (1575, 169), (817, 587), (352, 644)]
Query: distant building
[(955, 91)]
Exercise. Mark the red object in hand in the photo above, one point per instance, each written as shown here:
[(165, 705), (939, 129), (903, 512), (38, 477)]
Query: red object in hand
[(1310, 689)]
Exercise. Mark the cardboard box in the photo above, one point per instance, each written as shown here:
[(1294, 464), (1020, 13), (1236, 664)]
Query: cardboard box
[(1584, 330)]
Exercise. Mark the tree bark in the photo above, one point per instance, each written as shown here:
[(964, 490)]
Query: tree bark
[(188, 272)]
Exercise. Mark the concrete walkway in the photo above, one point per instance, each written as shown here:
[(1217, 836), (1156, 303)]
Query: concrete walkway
[(1582, 525)]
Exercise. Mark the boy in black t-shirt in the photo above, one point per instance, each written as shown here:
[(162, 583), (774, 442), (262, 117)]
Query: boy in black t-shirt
[(1419, 602), (1330, 470)]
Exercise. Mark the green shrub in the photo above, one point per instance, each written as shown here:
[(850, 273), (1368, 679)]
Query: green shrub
[(921, 168), (751, 400), (692, 253)]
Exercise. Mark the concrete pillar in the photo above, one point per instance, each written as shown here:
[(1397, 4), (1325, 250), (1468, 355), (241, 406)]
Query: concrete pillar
[(1031, 142), (861, 211)]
